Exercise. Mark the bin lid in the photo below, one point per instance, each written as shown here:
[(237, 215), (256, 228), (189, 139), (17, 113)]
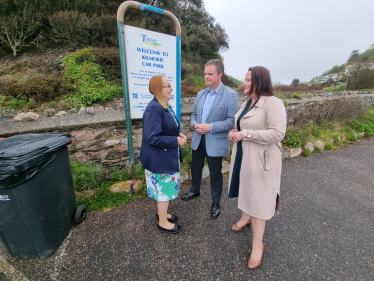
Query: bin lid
[(23, 156)]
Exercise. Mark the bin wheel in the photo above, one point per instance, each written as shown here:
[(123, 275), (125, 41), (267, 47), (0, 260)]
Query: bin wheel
[(80, 214)]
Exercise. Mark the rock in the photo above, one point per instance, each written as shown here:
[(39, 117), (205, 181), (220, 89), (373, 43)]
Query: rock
[(343, 138), (331, 140), (108, 108), (116, 155), (184, 176), (23, 117), (225, 167), (285, 154), (124, 140), (81, 158), (82, 144), (205, 172), (362, 134), (185, 118), (90, 110), (294, 152), (123, 147), (112, 142), (73, 111), (99, 108), (124, 186), (101, 133), (8, 113), (100, 154), (310, 146), (136, 151), (320, 144), (49, 112), (290, 121), (356, 135), (82, 111), (84, 135), (61, 113)]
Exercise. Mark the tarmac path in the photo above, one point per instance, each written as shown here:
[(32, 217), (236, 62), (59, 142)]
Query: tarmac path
[(325, 232)]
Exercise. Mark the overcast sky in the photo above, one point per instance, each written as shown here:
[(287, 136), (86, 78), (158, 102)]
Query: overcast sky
[(292, 38)]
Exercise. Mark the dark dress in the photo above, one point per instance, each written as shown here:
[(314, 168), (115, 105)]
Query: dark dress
[(235, 178)]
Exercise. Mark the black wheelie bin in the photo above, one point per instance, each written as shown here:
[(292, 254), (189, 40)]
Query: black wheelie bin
[(37, 200)]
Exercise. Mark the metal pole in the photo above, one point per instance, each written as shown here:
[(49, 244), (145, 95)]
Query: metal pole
[(346, 83), (122, 47)]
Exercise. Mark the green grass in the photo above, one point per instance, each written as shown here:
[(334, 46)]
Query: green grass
[(318, 149), (280, 96), (285, 103), (329, 146), (307, 152), (335, 89), (86, 176), (297, 96)]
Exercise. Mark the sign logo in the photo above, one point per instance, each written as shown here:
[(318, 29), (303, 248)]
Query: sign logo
[(134, 95), (149, 41), (4, 198)]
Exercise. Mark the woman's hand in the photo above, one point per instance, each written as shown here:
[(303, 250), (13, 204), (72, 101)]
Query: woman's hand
[(238, 136), (231, 136), (182, 141)]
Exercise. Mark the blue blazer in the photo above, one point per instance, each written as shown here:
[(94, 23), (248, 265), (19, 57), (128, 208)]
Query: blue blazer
[(159, 150)]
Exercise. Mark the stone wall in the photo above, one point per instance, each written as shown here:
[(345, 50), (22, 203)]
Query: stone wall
[(99, 133)]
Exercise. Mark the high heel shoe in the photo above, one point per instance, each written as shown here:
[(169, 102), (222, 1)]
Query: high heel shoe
[(237, 228), (252, 264)]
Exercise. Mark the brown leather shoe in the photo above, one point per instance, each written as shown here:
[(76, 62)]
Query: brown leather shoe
[(252, 264), (235, 227)]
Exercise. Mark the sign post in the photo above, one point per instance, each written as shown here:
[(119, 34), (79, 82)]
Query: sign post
[(146, 53)]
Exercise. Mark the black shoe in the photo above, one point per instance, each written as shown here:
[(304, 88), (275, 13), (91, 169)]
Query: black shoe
[(173, 218), (190, 195), (215, 210), (175, 229)]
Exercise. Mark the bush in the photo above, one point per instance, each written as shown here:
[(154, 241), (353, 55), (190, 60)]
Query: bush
[(41, 88), (86, 176), (118, 174), (285, 103), (187, 158), (280, 96), (335, 89), (351, 137), (292, 139), (297, 96), (299, 88), (330, 146), (307, 152)]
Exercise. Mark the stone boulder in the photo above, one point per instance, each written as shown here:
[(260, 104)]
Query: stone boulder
[(112, 142), (8, 113), (61, 113), (49, 112), (23, 117), (124, 186), (84, 135), (294, 152), (320, 144), (82, 111), (90, 110), (310, 146), (285, 154)]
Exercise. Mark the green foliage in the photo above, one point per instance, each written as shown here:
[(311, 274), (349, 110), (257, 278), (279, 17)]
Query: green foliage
[(329, 146), (53, 105), (86, 176), (351, 137), (86, 78), (335, 69), (335, 89), (295, 82), (285, 103), (307, 152), (297, 96), (237, 82), (318, 149), (292, 139), (280, 96), (117, 174), (198, 80), (187, 158)]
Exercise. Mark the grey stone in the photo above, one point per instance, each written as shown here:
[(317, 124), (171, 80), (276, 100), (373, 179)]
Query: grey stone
[(73, 111), (60, 113), (8, 113), (49, 112), (108, 108), (99, 108), (116, 155), (294, 152), (331, 140), (320, 144), (285, 154), (90, 110), (124, 140), (184, 176), (23, 117), (112, 142), (82, 111), (310, 146), (205, 172), (362, 134)]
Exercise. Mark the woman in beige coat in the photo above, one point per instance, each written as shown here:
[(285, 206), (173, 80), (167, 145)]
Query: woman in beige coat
[(256, 161)]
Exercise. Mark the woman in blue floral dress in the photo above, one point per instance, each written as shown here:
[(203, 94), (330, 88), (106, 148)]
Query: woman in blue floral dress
[(160, 155)]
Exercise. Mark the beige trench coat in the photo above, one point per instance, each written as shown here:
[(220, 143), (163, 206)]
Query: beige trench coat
[(263, 129)]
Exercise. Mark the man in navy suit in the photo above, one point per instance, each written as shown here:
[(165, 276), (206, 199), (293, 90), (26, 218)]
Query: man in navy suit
[(212, 118)]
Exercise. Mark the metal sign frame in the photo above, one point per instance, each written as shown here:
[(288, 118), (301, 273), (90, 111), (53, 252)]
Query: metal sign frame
[(122, 47)]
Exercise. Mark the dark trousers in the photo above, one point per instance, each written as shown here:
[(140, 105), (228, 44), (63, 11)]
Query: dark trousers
[(215, 170)]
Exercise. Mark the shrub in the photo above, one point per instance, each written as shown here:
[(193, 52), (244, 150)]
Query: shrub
[(187, 158), (318, 149), (299, 88), (41, 88), (53, 104), (330, 146), (285, 103), (86, 176), (307, 152), (351, 137), (118, 174), (280, 96), (292, 139), (86, 78), (297, 96), (335, 89)]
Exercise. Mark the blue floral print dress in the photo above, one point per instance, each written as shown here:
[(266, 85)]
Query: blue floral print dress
[(163, 187)]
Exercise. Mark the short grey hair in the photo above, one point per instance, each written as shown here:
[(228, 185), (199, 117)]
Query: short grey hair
[(218, 64)]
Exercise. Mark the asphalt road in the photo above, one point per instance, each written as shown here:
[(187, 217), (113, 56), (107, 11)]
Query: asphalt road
[(325, 232)]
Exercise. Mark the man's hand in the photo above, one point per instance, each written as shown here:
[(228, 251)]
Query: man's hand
[(199, 128), (206, 127)]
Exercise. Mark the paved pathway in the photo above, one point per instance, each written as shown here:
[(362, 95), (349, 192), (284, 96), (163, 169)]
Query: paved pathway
[(325, 232)]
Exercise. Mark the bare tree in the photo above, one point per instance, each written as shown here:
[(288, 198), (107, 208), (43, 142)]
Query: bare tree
[(17, 29)]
